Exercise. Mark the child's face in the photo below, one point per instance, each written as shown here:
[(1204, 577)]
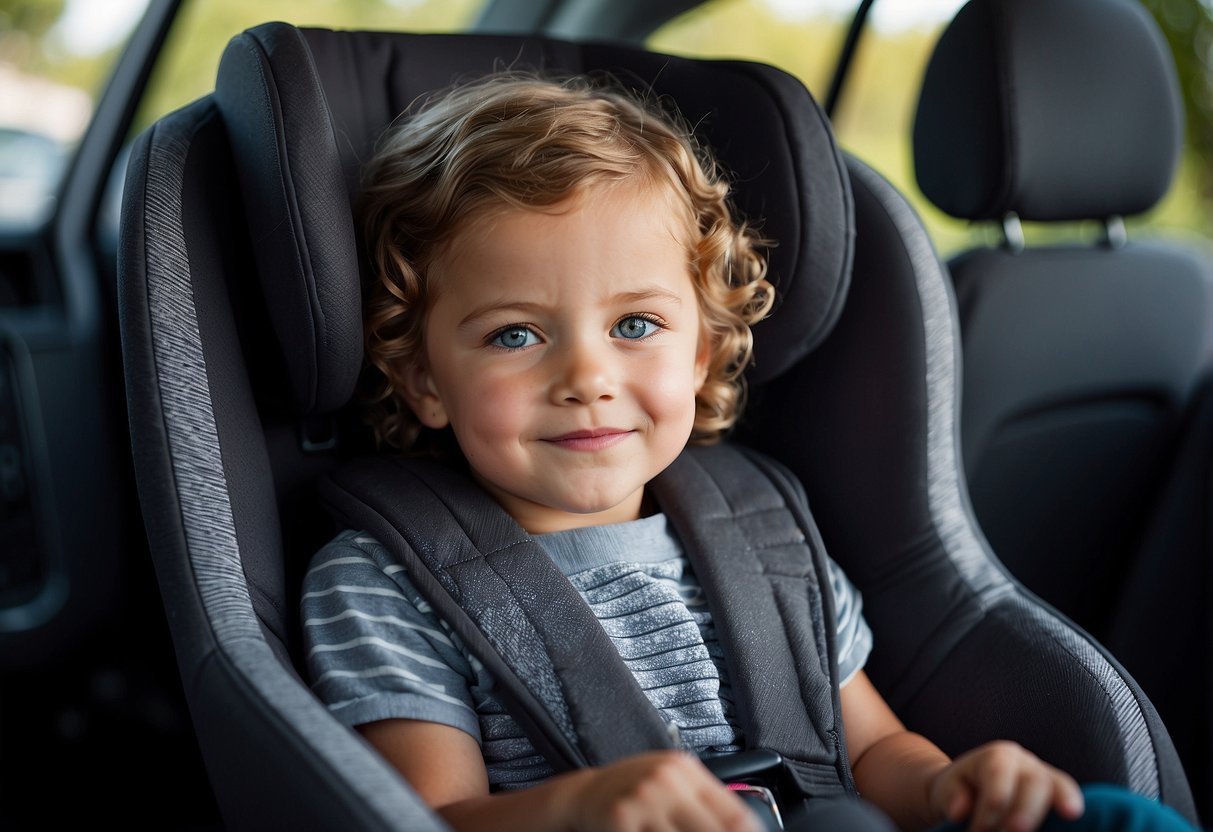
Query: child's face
[(564, 351)]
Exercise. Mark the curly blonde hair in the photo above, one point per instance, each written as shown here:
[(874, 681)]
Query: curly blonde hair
[(512, 141)]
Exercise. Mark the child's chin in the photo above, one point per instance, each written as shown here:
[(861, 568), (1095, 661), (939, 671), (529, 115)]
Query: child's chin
[(598, 512)]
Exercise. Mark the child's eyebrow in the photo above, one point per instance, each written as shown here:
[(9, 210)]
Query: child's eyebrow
[(656, 293), (532, 308), (491, 307)]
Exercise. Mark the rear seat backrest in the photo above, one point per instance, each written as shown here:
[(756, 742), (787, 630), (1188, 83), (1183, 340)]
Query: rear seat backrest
[(1079, 359), (1083, 362)]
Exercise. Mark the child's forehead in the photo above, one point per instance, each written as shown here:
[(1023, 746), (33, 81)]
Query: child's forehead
[(648, 193), (613, 227)]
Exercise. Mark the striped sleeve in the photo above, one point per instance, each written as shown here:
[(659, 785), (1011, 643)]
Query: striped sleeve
[(852, 634), (374, 647)]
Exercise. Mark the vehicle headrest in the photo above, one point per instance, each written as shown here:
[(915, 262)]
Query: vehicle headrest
[(1053, 110), (304, 107)]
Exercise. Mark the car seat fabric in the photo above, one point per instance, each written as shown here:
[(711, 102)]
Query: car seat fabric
[(980, 658), (1167, 583), (229, 436), (207, 497), (1079, 364)]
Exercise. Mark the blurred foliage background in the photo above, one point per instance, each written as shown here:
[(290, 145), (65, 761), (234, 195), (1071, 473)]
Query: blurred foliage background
[(23, 27), (191, 57), (803, 36), (1188, 27)]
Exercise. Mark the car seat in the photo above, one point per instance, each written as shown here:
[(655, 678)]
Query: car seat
[(1086, 364), (241, 341)]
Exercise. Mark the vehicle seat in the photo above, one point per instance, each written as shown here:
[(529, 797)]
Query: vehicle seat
[(1079, 358), (1084, 362), (241, 341)]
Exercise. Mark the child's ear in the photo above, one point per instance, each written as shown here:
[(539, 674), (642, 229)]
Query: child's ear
[(423, 398)]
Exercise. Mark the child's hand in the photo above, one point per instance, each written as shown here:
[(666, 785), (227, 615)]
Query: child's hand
[(1001, 785), (661, 790)]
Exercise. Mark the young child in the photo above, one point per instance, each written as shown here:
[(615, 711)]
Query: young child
[(563, 289)]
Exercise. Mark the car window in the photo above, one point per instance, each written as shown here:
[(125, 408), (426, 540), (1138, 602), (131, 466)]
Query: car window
[(55, 56), (875, 116), (188, 64), (801, 37)]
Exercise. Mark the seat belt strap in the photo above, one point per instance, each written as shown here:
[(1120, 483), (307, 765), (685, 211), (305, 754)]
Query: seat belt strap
[(757, 555), (509, 603), (751, 543)]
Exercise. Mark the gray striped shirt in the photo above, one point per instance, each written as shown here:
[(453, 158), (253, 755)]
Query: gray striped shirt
[(376, 650)]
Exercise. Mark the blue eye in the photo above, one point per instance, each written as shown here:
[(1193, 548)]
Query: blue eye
[(514, 338), (634, 327)]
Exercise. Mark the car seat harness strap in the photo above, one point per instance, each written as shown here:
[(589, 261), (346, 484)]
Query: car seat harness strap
[(751, 544), (517, 613)]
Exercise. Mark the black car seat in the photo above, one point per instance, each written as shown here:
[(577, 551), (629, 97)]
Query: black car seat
[(1080, 358), (1086, 364), (240, 323)]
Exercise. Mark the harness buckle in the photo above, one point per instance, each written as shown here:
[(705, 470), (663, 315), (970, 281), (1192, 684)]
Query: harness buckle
[(755, 775)]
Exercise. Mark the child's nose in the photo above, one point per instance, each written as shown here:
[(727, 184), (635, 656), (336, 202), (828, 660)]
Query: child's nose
[(586, 374)]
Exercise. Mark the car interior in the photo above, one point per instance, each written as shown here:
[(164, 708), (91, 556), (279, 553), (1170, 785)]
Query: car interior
[(1008, 451)]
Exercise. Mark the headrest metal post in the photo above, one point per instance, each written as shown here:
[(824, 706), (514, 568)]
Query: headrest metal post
[(1114, 233), (1012, 233)]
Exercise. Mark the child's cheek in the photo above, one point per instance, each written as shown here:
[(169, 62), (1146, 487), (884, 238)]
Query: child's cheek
[(669, 395), (497, 404)]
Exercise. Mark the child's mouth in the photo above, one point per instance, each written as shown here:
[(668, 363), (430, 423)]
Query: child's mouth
[(590, 440)]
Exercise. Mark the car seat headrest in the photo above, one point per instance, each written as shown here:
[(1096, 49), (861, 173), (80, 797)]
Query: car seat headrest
[(1052, 110), (304, 107)]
